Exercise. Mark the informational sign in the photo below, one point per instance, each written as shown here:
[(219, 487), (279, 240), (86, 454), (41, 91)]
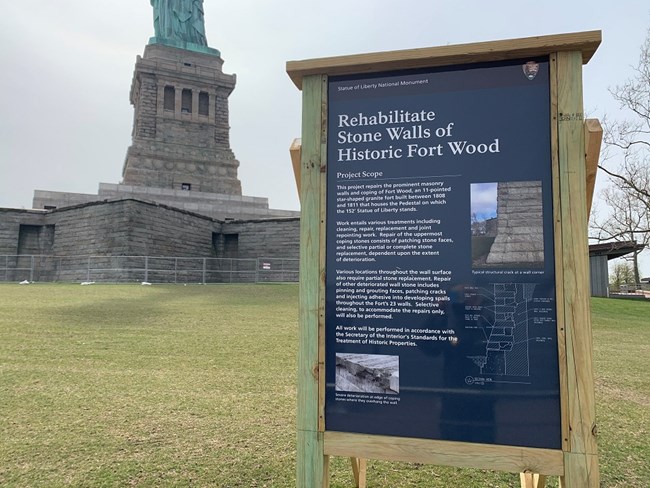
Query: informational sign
[(441, 318)]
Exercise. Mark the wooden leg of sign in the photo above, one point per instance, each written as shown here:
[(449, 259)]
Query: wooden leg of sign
[(355, 470), (326, 472), (363, 465), (580, 471), (312, 465), (359, 466), (532, 480), (580, 449)]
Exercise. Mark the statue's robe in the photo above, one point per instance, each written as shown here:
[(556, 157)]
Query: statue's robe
[(179, 20)]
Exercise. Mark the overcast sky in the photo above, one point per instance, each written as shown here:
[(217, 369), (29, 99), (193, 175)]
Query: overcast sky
[(484, 201), (67, 65)]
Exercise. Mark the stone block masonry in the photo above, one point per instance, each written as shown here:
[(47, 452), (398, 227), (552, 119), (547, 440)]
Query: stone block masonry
[(11, 221), (520, 230), (180, 154), (131, 227), (180, 196), (181, 134), (266, 238)]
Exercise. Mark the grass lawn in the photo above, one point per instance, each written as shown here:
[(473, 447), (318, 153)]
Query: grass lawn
[(111, 386)]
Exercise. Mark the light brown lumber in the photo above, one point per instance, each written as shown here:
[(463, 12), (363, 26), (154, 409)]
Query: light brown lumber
[(581, 471), (593, 141), (585, 43), (359, 469), (559, 262), (295, 151), (532, 480), (312, 463), (322, 169), (445, 453)]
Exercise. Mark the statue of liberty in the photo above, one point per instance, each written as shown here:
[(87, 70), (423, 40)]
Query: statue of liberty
[(179, 20)]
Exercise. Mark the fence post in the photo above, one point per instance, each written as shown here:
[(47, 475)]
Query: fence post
[(88, 270), (31, 271), (204, 261), (175, 269), (146, 269), (257, 270)]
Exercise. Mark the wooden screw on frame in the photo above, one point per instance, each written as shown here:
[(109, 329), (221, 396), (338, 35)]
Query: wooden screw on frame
[(577, 462)]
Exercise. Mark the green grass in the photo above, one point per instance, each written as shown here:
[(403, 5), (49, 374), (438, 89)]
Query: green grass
[(111, 386), (622, 370)]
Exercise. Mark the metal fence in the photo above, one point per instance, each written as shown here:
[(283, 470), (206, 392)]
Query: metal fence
[(629, 288), (150, 269)]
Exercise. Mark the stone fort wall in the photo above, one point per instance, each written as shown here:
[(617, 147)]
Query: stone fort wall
[(135, 228)]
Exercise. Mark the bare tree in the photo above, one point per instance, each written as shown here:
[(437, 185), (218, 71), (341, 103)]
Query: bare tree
[(626, 160), (478, 226), (628, 220)]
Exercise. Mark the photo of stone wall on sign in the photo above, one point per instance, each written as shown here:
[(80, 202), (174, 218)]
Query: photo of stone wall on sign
[(367, 373), (507, 225)]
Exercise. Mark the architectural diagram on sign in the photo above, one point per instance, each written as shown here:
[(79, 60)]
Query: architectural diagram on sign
[(506, 328)]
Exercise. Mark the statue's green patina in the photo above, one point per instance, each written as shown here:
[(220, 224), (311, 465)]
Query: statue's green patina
[(179, 22)]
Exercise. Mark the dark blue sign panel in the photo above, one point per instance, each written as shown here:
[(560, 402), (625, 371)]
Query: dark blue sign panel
[(440, 292)]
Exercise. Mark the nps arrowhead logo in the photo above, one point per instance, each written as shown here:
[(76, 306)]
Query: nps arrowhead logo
[(531, 68)]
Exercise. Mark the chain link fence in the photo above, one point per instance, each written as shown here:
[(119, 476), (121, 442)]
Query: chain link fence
[(150, 269)]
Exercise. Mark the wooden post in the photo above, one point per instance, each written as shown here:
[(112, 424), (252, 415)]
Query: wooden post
[(593, 140), (294, 151), (359, 466), (532, 480), (580, 456), (312, 464)]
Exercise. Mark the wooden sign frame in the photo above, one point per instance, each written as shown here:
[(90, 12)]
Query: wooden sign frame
[(576, 463)]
